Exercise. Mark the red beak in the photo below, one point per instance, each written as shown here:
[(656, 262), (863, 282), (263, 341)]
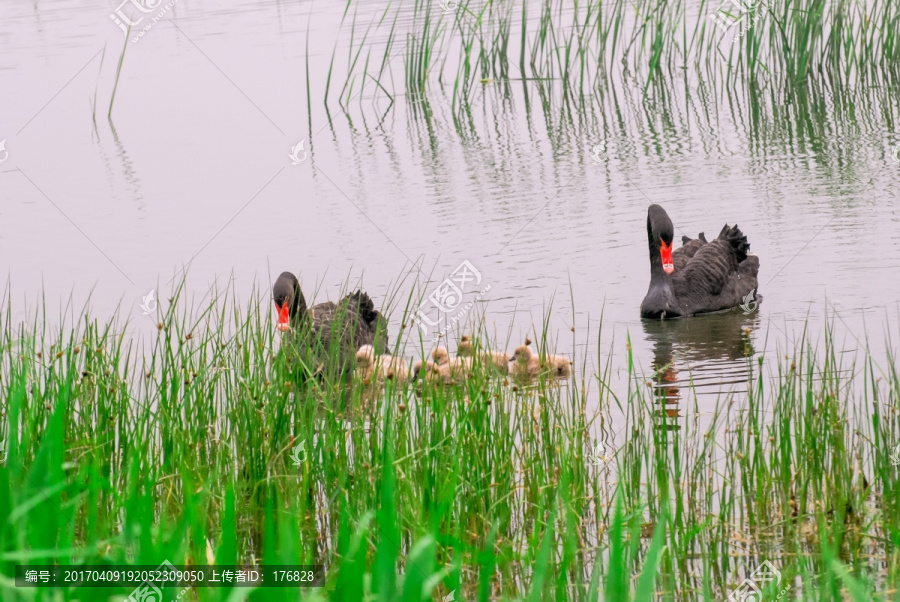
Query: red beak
[(665, 252), (284, 317)]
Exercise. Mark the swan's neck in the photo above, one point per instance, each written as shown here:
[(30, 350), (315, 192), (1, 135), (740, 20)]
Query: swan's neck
[(657, 273), (299, 313)]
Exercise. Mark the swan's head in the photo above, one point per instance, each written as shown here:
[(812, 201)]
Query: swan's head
[(660, 234), (521, 354), (289, 301), (440, 355), (365, 356), (465, 348)]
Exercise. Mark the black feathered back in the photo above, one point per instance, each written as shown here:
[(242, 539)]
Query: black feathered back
[(360, 303)]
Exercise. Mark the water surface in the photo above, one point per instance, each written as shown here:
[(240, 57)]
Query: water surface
[(544, 194)]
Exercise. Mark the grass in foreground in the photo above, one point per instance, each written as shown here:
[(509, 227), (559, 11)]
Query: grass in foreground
[(182, 452)]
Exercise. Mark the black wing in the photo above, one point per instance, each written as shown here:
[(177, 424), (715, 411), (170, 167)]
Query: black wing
[(715, 278)]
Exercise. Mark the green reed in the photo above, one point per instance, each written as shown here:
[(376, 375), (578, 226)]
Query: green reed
[(581, 46), (132, 450), (112, 98)]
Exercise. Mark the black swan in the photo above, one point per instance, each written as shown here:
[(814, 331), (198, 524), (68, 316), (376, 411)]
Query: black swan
[(327, 330), (701, 276)]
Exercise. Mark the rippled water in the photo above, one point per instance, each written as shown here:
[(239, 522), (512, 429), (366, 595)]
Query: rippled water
[(545, 195)]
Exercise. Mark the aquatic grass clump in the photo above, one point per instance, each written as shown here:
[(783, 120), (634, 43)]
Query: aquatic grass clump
[(183, 447), (584, 48), (795, 474)]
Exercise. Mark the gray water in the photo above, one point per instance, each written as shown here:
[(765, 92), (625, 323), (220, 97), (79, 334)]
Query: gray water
[(544, 196)]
